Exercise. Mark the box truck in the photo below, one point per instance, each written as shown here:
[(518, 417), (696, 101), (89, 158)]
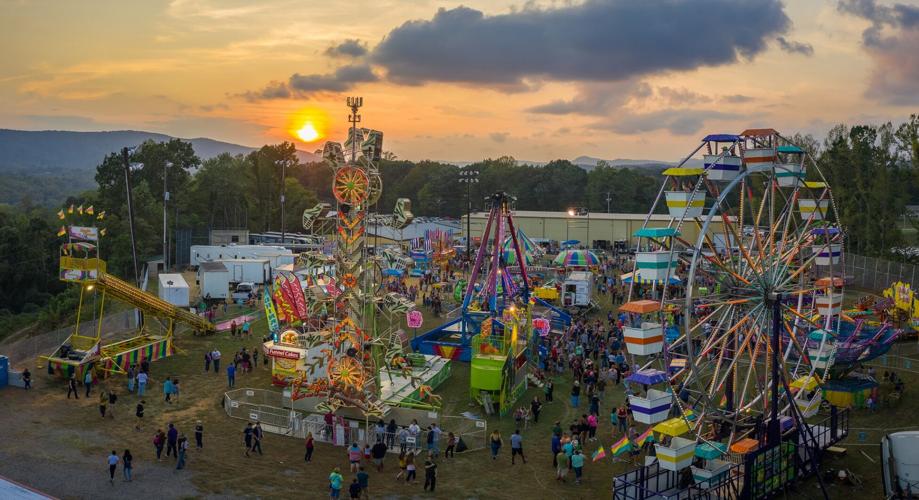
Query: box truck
[(577, 289), (256, 271), (214, 280)]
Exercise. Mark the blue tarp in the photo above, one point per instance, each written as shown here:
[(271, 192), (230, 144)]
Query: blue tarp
[(721, 138)]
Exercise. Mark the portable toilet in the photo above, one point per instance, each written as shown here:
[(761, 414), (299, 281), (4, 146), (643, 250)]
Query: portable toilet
[(4, 371)]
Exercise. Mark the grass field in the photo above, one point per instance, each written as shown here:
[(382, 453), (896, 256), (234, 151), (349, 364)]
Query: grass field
[(54, 434)]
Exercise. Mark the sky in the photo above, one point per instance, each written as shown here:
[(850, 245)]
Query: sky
[(453, 81)]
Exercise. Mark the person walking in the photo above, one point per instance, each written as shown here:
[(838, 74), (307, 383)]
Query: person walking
[(310, 445), (391, 429), (257, 436), (561, 466), (127, 466), (354, 457), (112, 466), (577, 463), (112, 398), (172, 439), (183, 449), (430, 474), (410, 468), (88, 380), (207, 361), (622, 415), (247, 437), (495, 442), (103, 402), (26, 379), (199, 435), (167, 390), (254, 358), (548, 390), (130, 376), (159, 441), (142, 378), (72, 387), (535, 407), (215, 358), (363, 480), (139, 413), (556, 447), (517, 446), (354, 491), (451, 446), (231, 375), (403, 463), (378, 452), (335, 480), (575, 394)]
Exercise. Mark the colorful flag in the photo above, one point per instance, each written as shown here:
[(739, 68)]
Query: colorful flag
[(62, 231), (600, 454), (101, 215), (70, 209), (270, 314), (89, 210), (60, 214), (645, 437), (80, 209), (296, 291), (621, 446)]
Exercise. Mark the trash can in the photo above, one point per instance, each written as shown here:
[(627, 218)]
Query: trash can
[(4, 371)]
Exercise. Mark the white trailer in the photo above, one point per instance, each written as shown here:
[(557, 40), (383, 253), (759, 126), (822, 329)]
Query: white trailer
[(209, 253), (214, 280), (900, 464), (577, 289), (256, 271), (173, 289)]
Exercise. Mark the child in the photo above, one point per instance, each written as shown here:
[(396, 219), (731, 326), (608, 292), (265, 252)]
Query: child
[(355, 489), (403, 461), (139, 412), (410, 468), (367, 453)]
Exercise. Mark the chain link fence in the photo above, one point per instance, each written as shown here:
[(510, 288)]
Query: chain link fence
[(875, 274)]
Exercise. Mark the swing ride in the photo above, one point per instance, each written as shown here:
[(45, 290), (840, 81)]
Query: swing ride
[(80, 263), (758, 324)]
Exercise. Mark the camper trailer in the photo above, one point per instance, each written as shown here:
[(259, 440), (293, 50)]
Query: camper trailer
[(577, 289), (249, 270), (277, 256), (214, 280)]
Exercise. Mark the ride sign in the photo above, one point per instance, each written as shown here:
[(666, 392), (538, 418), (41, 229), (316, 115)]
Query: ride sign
[(414, 318)]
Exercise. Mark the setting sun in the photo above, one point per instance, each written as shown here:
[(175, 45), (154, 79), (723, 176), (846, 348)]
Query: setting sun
[(308, 132)]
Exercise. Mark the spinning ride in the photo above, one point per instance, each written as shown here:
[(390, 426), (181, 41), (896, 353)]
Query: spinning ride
[(768, 256)]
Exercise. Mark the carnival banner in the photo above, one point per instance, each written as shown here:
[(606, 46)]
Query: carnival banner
[(270, 314), (296, 291)]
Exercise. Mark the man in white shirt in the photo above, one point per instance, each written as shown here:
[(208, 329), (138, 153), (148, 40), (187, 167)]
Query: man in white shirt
[(141, 383), (215, 357)]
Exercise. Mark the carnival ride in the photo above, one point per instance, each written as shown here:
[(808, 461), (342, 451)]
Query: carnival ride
[(335, 348), (746, 361), (80, 263)]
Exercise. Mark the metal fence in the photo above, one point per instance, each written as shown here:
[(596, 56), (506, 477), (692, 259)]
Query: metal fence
[(877, 274), (273, 411)]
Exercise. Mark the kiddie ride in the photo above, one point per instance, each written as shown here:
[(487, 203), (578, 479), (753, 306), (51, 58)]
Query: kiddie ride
[(80, 263)]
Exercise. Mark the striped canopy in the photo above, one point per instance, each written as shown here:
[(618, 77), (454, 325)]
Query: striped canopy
[(526, 244), (576, 258), (510, 257)]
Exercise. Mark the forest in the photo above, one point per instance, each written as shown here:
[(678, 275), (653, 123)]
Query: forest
[(873, 171)]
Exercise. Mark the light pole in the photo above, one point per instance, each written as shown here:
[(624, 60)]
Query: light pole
[(165, 200), (283, 181), (608, 199), (126, 157), (469, 176)]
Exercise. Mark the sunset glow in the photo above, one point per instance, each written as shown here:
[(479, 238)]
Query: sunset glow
[(308, 132)]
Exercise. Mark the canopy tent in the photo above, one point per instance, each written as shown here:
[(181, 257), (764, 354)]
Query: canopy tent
[(627, 278), (510, 257), (640, 306), (576, 258), (526, 244), (648, 376)]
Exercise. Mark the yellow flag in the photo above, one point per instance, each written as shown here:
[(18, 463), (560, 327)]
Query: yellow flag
[(70, 210), (102, 232), (101, 215), (62, 231), (80, 209), (89, 210), (60, 214)]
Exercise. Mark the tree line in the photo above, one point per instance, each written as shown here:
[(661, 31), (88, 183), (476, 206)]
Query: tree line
[(873, 171)]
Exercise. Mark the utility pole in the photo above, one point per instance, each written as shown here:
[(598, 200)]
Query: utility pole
[(608, 199), (126, 156), (283, 181)]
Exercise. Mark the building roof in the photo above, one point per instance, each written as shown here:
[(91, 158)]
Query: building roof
[(415, 230), (213, 267), (537, 214)]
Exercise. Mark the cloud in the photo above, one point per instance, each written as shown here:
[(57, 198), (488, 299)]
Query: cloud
[(793, 47), (596, 99), (594, 40), (299, 85), (891, 41), (348, 48), (737, 98), (677, 97), (677, 122), (498, 136)]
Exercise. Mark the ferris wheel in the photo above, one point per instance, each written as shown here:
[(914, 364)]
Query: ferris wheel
[(749, 237)]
